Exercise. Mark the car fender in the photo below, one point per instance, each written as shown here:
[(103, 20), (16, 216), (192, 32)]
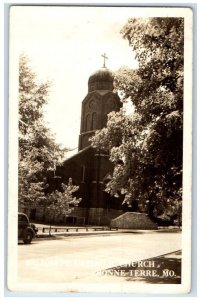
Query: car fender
[(29, 229)]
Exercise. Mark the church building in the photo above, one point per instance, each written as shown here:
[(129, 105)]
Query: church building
[(89, 169)]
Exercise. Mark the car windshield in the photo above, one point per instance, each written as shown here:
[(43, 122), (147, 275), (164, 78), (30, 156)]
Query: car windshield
[(22, 218)]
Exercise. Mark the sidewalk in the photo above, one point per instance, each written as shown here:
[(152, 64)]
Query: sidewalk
[(57, 235), (60, 234)]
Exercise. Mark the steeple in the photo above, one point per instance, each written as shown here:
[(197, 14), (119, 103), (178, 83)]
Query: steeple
[(102, 79), (99, 101)]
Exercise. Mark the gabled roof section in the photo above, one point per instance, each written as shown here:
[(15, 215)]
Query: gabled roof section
[(86, 151)]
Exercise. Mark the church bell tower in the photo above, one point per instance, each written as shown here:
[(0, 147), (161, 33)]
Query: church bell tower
[(99, 101)]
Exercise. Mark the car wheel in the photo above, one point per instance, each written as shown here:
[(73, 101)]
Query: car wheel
[(28, 237)]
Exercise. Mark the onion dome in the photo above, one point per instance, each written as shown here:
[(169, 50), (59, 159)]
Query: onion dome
[(102, 79)]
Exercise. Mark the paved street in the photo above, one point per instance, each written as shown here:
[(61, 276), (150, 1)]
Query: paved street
[(71, 259)]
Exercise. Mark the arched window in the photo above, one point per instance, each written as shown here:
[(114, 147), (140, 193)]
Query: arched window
[(94, 121), (87, 123)]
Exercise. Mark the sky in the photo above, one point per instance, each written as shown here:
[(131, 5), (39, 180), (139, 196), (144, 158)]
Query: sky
[(64, 45)]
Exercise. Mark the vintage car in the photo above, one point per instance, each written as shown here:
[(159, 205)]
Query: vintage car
[(26, 230)]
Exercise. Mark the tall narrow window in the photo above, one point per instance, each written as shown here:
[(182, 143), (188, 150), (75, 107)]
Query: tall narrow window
[(87, 123), (94, 121), (83, 173)]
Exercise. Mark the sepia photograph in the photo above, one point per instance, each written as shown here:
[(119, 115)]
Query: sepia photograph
[(100, 138)]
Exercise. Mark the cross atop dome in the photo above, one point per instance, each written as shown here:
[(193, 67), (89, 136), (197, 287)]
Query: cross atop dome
[(104, 58)]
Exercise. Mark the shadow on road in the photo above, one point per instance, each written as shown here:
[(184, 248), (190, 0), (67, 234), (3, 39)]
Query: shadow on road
[(23, 244), (165, 269)]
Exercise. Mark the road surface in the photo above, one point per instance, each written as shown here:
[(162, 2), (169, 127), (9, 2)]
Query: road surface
[(74, 259)]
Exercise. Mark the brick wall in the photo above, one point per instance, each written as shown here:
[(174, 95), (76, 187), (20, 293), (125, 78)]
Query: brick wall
[(102, 216)]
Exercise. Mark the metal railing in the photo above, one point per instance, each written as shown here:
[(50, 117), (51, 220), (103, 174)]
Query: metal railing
[(77, 229)]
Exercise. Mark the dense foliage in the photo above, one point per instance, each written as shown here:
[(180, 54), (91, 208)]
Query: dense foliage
[(146, 146), (38, 152)]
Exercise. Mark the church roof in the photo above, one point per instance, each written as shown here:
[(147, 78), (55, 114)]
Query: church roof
[(103, 74), (79, 154)]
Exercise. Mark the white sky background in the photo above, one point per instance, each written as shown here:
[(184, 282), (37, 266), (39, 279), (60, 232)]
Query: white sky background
[(64, 45)]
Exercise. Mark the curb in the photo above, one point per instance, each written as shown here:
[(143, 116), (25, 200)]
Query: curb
[(59, 235), (64, 234)]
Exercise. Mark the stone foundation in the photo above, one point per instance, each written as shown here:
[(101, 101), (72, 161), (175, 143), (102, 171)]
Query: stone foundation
[(133, 220)]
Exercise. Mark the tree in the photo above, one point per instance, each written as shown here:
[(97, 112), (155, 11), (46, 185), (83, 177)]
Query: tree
[(61, 203), (146, 146), (38, 151)]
